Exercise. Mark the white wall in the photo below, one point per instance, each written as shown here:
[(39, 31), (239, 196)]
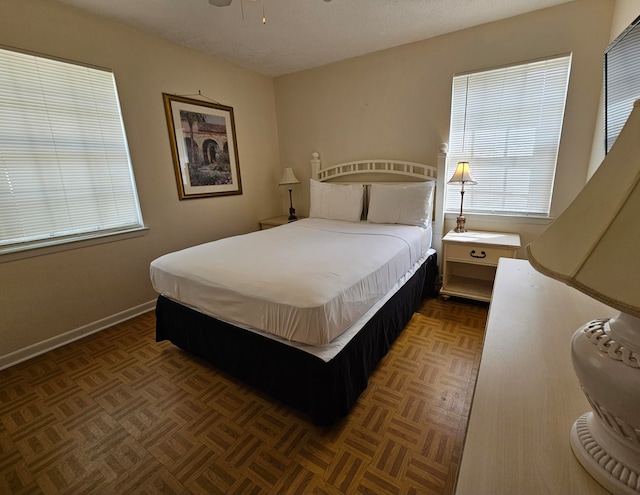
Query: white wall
[(47, 296)]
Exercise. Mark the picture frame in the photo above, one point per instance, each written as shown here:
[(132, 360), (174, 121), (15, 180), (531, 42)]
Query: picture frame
[(204, 147)]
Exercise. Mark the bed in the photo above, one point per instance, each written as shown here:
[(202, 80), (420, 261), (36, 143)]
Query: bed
[(304, 312)]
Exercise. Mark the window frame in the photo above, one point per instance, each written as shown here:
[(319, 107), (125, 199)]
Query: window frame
[(481, 105), (38, 70)]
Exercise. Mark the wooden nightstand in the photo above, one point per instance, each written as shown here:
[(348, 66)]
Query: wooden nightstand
[(470, 261), (269, 223)]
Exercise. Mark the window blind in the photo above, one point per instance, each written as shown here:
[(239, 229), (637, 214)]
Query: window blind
[(622, 80), (507, 123), (65, 171)]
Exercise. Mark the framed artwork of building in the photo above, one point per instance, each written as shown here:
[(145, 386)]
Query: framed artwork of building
[(204, 147)]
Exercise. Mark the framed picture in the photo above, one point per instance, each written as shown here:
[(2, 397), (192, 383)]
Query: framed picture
[(204, 147)]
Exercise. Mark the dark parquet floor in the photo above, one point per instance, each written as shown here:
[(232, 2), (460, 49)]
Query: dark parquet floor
[(118, 413)]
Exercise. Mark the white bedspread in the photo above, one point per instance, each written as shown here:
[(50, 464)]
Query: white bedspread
[(306, 281)]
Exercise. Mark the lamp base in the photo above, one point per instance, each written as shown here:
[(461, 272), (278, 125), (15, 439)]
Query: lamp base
[(460, 224), (292, 215), (292, 210), (606, 358), (608, 461)]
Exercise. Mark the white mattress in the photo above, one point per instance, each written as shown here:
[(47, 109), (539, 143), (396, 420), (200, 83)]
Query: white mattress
[(307, 281), (329, 351)]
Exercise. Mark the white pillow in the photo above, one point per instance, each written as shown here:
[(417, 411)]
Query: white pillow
[(409, 204), (336, 201)]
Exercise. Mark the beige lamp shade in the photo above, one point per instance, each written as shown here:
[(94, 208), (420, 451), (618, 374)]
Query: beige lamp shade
[(288, 177), (594, 245), (462, 175)]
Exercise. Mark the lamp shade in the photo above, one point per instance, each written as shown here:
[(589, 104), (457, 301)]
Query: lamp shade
[(462, 175), (594, 245), (288, 177)]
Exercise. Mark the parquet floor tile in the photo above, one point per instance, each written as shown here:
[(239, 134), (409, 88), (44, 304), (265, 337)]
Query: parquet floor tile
[(118, 413)]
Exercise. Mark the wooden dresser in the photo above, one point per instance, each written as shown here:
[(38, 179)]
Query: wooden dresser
[(527, 395)]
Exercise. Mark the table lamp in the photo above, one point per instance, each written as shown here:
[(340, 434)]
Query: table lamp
[(462, 175), (594, 246), (288, 179)]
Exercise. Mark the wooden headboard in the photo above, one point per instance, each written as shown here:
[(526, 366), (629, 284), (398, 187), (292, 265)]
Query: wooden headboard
[(375, 171)]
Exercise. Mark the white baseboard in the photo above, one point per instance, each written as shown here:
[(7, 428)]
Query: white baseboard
[(34, 350)]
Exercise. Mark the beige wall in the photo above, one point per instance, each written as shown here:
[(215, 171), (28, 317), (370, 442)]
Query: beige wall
[(46, 296), (391, 104), (395, 103)]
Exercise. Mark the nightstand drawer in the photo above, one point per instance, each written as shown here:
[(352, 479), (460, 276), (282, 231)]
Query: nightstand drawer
[(485, 255)]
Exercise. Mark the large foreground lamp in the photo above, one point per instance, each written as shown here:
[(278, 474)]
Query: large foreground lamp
[(288, 179), (462, 175), (594, 246)]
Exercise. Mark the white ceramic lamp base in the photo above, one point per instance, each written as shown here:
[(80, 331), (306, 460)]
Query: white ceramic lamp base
[(606, 359), (606, 459)]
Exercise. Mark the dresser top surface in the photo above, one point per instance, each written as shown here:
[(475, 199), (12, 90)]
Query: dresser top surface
[(527, 395)]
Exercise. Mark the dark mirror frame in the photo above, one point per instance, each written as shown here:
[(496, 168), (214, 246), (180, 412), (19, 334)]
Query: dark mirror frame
[(617, 75)]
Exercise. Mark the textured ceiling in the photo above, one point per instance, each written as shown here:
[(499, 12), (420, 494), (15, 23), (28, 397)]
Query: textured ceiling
[(300, 34)]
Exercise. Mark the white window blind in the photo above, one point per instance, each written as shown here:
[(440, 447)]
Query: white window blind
[(622, 80), (65, 172), (506, 123)]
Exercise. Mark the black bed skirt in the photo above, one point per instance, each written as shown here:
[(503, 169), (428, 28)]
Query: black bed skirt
[(326, 391)]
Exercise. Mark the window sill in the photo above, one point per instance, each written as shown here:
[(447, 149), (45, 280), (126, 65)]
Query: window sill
[(14, 253), (507, 219)]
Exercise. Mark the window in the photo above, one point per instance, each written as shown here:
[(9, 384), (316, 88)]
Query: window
[(65, 172), (621, 81), (506, 123)]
